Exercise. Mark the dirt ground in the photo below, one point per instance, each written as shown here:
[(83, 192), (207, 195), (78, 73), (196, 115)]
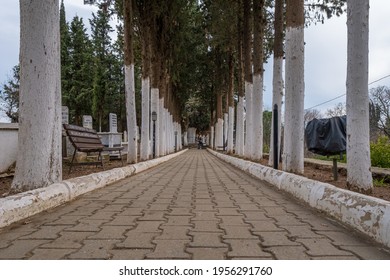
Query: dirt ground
[(315, 172)]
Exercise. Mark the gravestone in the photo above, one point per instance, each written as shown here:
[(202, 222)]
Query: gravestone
[(113, 121), (65, 115), (87, 121)]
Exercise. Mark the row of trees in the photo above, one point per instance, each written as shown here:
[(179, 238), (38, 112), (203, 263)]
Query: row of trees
[(194, 58)]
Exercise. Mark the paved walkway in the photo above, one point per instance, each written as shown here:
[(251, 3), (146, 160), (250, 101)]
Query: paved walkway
[(192, 207)]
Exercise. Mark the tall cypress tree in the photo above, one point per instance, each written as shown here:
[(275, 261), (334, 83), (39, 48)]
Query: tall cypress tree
[(80, 70), (65, 40), (103, 57)]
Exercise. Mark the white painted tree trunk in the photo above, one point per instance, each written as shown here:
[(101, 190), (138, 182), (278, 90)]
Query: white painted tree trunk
[(155, 103), (185, 138), (293, 158), (277, 96), (358, 136), (161, 121), (132, 151), (212, 137), (144, 153), (219, 133), (230, 126), (39, 161), (257, 117), (225, 128), (248, 120), (240, 127)]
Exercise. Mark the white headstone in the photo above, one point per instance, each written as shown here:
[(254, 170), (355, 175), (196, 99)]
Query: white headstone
[(65, 114), (113, 123), (87, 121)]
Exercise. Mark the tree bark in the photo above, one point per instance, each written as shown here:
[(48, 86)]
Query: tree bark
[(132, 150), (293, 158), (277, 82), (257, 97), (359, 175), (146, 48), (230, 134), (247, 45), (39, 161)]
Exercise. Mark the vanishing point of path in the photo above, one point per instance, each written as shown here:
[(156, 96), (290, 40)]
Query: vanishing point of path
[(191, 207)]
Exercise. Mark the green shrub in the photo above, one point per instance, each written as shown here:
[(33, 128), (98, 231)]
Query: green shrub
[(380, 153)]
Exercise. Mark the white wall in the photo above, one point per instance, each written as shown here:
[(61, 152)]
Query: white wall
[(8, 145)]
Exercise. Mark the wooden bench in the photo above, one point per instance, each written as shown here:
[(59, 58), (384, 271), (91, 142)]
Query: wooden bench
[(87, 141)]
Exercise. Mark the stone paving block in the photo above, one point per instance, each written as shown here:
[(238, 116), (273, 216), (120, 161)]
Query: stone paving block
[(131, 211), (228, 212), (111, 232), (264, 226), (255, 216), (368, 252), (233, 221), (177, 220), (321, 247), (225, 204), (129, 254), (289, 220), (102, 215), (20, 249), (150, 215), (275, 211), (65, 220), (272, 238), (245, 248), (208, 253), (114, 208), (205, 216), (289, 252), (174, 233), (248, 207), (135, 240), (207, 226), (204, 207), (341, 238), (319, 224), (122, 221), (302, 232), (148, 226), (45, 232), (264, 202), (86, 224), (94, 250), (238, 232), (159, 207), (180, 211), (206, 240), (68, 240), (50, 254), (169, 249)]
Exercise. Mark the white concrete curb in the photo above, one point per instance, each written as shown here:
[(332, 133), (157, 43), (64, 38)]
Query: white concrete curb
[(368, 215), (23, 205)]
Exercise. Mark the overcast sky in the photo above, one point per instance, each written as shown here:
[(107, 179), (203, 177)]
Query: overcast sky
[(325, 51)]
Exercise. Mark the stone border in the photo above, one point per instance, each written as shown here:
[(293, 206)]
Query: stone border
[(366, 214), (23, 205)]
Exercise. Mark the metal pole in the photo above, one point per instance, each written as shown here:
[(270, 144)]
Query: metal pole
[(275, 137), (154, 139), (175, 141)]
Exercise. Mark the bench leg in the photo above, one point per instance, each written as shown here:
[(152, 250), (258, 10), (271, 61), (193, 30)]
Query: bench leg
[(120, 154), (71, 163), (101, 160)]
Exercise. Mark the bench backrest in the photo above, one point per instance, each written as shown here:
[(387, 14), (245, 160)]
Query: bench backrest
[(83, 139)]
